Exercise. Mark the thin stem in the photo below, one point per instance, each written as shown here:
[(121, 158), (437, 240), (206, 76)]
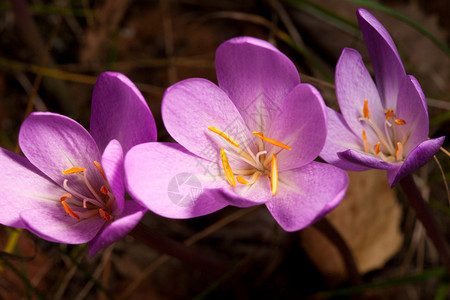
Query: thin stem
[(424, 215), (330, 232), (178, 250)]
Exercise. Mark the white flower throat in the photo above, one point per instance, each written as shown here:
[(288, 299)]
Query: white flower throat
[(94, 201), (390, 141), (258, 163)]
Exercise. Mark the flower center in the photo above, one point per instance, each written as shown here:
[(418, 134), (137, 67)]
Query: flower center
[(390, 140), (93, 201), (257, 163)]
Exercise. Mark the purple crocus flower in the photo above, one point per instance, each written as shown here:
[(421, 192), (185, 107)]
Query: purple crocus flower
[(249, 141), (382, 125), (69, 187)]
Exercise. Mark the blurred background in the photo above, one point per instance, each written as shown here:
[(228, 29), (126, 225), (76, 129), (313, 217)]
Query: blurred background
[(50, 55)]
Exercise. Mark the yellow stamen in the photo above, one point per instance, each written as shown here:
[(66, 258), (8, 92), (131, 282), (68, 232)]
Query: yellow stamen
[(100, 169), (69, 211), (389, 114), (225, 136), (241, 180), (227, 168), (269, 140), (274, 175), (399, 151), (104, 190), (400, 122), (366, 143), (366, 109), (105, 216), (73, 170), (377, 148), (65, 196)]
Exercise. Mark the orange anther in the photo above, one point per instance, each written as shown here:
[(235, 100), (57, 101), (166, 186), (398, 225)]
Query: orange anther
[(69, 211), (389, 114), (73, 170), (241, 180), (225, 136), (65, 196), (400, 122), (227, 168), (104, 215), (376, 148), (104, 190), (100, 169), (271, 141), (366, 109), (274, 175), (366, 143)]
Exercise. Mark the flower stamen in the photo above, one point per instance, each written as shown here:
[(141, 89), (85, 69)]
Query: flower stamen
[(65, 196), (227, 168), (274, 175), (366, 143), (400, 122), (104, 215), (100, 169), (241, 180), (376, 148), (399, 151), (69, 211), (73, 170), (271, 141), (225, 136), (366, 109)]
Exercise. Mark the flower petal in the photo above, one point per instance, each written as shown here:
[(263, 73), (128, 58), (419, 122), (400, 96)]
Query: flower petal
[(340, 138), (54, 143), (112, 162), (410, 107), (256, 76), (306, 194), (301, 124), (365, 160), (23, 187), (353, 86), (118, 228), (417, 158), (189, 107), (387, 65), (119, 111), (249, 195), (55, 225), (168, 180)]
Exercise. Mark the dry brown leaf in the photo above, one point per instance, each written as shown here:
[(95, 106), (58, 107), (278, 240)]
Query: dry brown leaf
[(369, 221)]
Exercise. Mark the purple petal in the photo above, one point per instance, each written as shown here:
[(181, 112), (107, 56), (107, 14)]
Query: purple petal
[(339, 139), (54, 143), (410, 107), (118, 228), (417, 158), (56, 226), (353, 86), (248, 195), (365, 160), (301, 124), (119, 111), (387, 65), (168, 180), (191, 106), (306, 194), (112, 162), (23, 187), (256, 76)]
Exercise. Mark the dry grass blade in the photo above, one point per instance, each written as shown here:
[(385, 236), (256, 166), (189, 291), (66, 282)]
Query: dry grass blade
[(189, 241)]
